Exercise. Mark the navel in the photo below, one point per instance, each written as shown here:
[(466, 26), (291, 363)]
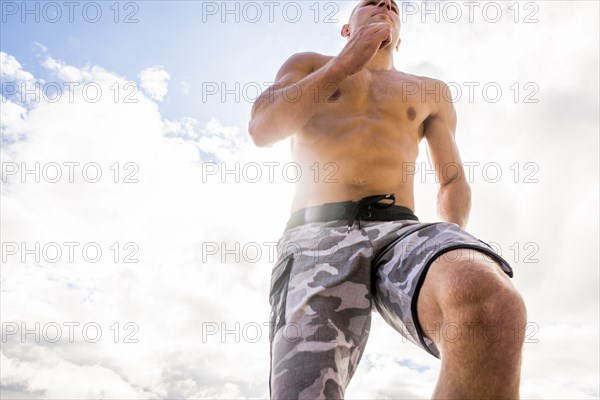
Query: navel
[(411, 113), (359, 181)]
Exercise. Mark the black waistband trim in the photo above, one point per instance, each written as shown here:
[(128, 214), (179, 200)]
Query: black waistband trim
[(379, 207)]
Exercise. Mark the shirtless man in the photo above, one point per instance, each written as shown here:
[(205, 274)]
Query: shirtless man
[(353, 243)]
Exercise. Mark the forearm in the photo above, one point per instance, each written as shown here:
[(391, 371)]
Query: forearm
[(279, 113), (454, 202)]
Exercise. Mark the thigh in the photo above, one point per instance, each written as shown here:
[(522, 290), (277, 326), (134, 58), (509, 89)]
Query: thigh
[(321, 313), (401, 271)]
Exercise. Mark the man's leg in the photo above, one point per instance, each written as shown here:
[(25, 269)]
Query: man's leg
[(470, 309), (321, 312)]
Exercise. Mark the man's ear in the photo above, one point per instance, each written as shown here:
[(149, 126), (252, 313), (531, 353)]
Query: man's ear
[(398, 45), (345, 30)]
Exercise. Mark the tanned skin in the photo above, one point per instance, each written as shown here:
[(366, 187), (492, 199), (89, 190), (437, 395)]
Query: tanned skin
[(355, 122)]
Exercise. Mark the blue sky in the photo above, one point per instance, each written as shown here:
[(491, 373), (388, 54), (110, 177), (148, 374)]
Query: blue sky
[(190, 227), (189, 38)]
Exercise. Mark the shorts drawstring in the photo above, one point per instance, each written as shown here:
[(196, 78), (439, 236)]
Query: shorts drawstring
[(362, 207)]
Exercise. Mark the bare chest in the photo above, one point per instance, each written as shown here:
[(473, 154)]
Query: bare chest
[(385, 96)]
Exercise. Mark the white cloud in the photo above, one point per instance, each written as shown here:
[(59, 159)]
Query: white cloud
[(16, 82), (186, 128), (11, 69), (12, 125), (47, 375), (185, 87), (66, 72), (155, 81), (175, 210), (224, 143), (40, 46)]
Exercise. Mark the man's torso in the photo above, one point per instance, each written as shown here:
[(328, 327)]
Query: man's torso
[(364, 140)]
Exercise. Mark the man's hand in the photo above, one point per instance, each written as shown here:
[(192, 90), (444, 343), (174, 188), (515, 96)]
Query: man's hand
[(363, 45)]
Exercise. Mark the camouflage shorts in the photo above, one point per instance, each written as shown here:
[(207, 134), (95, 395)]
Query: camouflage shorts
[(324, 284)]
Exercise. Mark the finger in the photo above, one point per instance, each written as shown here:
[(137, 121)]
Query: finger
[(385, 43), (377, 26), (382, 27), (383, 34)]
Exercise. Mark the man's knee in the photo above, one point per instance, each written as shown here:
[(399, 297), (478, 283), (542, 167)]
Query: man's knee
[(474, 288), (477, 304)]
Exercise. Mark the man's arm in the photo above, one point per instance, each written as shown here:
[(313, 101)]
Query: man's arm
[(280, 111), (454, 193), (286, 106)]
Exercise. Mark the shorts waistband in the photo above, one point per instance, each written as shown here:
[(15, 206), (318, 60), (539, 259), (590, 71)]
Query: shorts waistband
[(371, 208)]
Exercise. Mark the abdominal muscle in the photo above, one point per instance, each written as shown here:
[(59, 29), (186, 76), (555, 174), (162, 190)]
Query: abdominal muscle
[(354, 163)]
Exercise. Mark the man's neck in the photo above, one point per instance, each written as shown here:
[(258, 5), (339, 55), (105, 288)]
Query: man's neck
[(383, 60)]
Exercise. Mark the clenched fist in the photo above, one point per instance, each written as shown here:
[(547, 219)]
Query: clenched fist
[(363, 45)]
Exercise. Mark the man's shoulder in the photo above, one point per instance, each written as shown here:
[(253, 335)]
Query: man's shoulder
[(310, 55), (305, 58), (301, 64), (436, 92), (428, 82)]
